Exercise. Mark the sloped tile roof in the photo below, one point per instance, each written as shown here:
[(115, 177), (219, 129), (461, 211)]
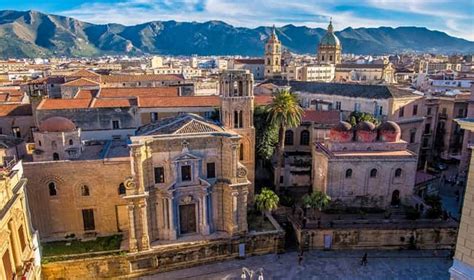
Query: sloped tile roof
[(81, 82), (7, 110), (135, 92), (178, 101), (141, 78), (59, 104)]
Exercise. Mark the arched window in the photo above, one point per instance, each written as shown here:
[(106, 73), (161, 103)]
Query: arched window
[(55, 156), (85, 190), (268, 61), (52, 189), (373, 173), (330, 58), (398, 172), (289, 137), (349, 173), (241, 152), (71, 142), (304, 138), (322, 58), (121, 189)]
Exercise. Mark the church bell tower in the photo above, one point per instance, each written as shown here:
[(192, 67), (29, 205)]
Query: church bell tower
[(237, 100), (272, 56)]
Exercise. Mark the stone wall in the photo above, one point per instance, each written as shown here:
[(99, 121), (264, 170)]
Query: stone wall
[(378, 238), (163, 259)]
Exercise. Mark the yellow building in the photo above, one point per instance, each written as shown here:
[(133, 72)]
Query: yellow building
[(19, 250), (463, 263)]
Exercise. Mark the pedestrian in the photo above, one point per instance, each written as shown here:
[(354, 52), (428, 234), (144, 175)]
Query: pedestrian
[(300, 259), (364, 260)]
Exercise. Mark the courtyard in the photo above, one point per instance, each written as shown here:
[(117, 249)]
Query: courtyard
[(333, 265)]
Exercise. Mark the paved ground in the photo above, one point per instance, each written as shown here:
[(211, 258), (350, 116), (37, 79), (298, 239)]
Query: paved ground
[(332, 265), (447, 193)]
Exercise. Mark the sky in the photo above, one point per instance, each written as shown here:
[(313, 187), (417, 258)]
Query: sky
[(455, 17)]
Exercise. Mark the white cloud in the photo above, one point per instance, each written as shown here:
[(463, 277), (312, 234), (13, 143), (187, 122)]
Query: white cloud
[(252, 13)]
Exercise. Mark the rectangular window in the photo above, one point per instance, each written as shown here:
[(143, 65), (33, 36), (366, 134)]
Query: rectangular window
[(401, 112), (412, 136), (338, 105), (460, 113), (428, 111), (21, 235), (115, 125), (427, 128), (211, 170), (415, 110), (88, 219), (186, 173), (159, 175), (154, 116), (1, 130), (357, 107), (16, 132)]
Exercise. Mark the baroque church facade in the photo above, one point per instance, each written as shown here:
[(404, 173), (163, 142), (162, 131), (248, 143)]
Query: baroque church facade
[(178, 177), (329, 48)]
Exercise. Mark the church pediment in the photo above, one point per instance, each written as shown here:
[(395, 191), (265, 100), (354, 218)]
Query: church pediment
[(186, 156), (195, 126)]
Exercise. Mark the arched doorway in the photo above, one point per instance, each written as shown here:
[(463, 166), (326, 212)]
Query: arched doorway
[(395, 198), (55, 156)]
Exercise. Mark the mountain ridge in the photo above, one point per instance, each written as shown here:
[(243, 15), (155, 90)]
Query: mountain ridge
[(36, 34)]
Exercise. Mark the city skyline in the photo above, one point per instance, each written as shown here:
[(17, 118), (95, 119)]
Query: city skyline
[(453, 18)]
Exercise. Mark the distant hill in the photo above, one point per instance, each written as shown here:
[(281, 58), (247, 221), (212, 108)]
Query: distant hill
[(35, 34)]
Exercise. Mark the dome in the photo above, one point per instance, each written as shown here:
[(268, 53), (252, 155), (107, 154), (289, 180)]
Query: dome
[(390, 126), (57, 124), (341, 133), (365, 132), (330, 39), (365, 125), (343, 126), (389, 132)]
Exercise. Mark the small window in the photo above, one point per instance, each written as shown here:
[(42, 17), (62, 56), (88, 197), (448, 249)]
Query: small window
[(211, 170), (121, 189), (16, 132), (159, 175), (115, 125), (401, 112), (415, 110), (186, 173), (289, 138), (55, 156), (85, 190), (241, 152), (52, 189), (39, 143), (349, 173), (428, 111), (412, 136), (304, 138), (71, 142), (398, 172), (373, 173)]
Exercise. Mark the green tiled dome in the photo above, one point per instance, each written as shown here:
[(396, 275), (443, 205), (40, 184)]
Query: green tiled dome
[(330, 39)]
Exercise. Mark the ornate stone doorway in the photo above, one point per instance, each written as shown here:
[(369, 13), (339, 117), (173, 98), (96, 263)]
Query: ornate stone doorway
[(187, 218)]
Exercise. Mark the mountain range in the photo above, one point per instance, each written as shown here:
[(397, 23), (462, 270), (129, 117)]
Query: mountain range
[(36, 34)]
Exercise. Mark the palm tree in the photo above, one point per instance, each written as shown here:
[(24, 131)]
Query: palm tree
[(316, 200), (284, 112), (266, 201)]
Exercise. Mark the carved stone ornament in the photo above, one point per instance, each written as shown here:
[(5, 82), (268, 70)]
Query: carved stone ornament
[(130, 184), (241, 171), (187, 199)]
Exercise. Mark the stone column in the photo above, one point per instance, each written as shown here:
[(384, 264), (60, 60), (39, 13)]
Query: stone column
[(132, 240), (204, 221), (16, 246), (172, 229), (145, 239)]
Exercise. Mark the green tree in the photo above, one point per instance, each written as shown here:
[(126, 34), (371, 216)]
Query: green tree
[(316, 200), (284, 112), (266, 200), (266, 134), (357, 117)]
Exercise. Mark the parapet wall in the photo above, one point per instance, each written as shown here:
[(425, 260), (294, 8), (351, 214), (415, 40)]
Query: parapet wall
[(164, 258)]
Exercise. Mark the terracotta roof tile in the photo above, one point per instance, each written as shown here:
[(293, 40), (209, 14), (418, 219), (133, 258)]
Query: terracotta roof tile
[(81, 82), (7, 110), (178, 101), (138, 92), (84, 73), (59, 104), (321, 117), (139, 78), (111, 103), (86, 94), (263, 99)]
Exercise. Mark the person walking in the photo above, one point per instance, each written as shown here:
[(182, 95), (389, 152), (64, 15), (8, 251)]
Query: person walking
[(364, 260)]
